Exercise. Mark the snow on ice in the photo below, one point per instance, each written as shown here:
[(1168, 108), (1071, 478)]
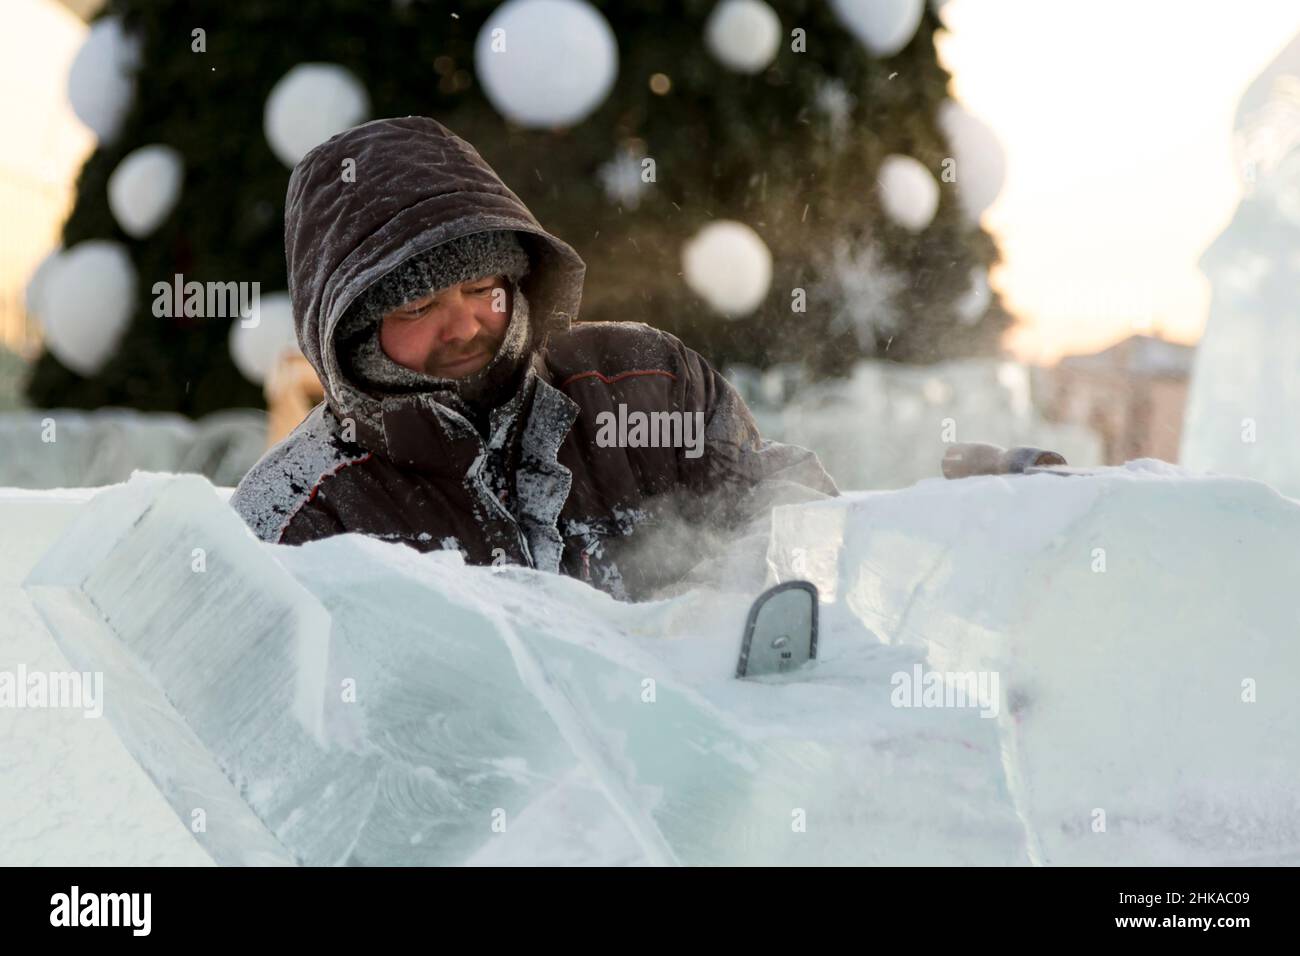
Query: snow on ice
[(353, 700)]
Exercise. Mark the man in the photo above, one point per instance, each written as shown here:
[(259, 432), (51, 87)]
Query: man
[(464, 409)]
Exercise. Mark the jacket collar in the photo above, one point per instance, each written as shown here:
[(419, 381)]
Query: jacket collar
[(418, 433)]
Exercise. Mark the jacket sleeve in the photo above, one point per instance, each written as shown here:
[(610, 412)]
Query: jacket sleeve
[(739, 476), (310, 523), (716, 529)]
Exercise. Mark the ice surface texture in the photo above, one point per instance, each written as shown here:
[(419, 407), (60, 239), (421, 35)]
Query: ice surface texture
[(70, 792), (509, 716)]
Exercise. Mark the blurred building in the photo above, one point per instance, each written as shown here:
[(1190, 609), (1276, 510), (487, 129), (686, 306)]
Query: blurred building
[(1132, 395)]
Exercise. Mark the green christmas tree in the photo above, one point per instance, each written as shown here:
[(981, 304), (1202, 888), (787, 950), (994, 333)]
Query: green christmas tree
[(793, 150)]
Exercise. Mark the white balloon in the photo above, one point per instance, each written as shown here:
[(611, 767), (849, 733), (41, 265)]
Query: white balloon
[(87, 303), (908, 192), (883, 26), (729, 266), (144, 188), (257, 341), (38, 285), (546, 63), (981, 163), (101, 82), (744, 35), (308, 105)]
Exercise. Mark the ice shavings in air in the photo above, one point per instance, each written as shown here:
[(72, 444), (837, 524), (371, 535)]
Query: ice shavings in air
[(355, 701), (888, 425)]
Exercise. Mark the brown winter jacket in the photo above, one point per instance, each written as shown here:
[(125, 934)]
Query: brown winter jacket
[(543, 491)]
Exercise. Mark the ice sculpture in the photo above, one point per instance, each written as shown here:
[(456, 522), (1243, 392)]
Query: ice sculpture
[(1243, 412)]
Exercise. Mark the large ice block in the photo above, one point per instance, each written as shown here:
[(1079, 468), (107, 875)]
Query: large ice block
[(156, 588), (485, 715), (354, 701), (1143, 624), (70, 792)]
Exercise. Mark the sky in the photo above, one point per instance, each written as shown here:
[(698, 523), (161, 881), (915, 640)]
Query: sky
[(43, 143), (1115, 116)]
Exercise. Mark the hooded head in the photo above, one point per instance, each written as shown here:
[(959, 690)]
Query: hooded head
[(395, 210), (451, 322)]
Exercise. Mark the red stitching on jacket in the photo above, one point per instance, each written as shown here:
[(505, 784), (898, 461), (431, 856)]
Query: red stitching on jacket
[(315, 488), (618, 377)]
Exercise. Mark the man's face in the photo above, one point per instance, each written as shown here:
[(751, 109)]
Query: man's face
[(450, 333)]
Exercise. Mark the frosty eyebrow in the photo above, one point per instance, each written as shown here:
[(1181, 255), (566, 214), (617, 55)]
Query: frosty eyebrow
[(418, 305)]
